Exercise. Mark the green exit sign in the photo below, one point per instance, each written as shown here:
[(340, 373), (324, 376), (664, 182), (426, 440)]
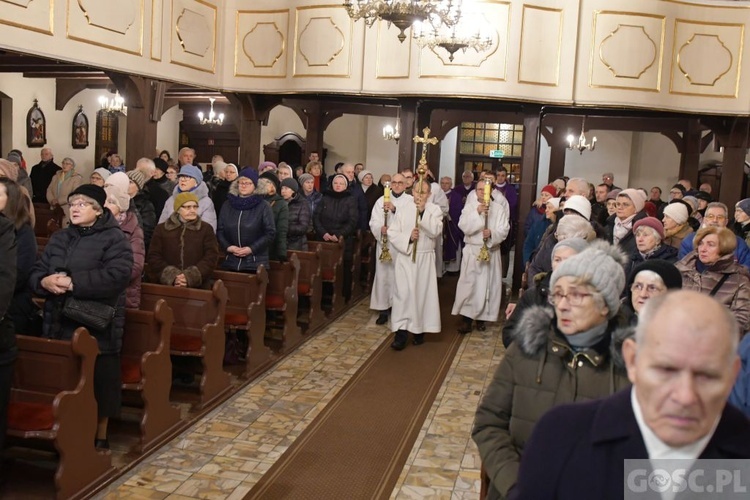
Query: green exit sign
[(496, 153)]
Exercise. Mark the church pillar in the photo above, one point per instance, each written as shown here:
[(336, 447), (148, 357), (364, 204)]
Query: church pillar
[(527, 188), (407, 128), (691, 151)]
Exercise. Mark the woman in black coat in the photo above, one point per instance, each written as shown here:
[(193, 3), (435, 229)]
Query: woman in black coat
[(8, 348), (91, 260), (15, 206), (299, 216), (335, 218), (246, 228)]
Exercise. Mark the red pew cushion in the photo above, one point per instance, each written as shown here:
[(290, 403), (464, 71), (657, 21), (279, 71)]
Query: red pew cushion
[(274, 301), (130, 370), (30, 416), (327, 274), (303, 288), (183, 342), (235, 319)]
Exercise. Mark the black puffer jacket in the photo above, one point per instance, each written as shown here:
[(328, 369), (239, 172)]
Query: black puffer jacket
[(336, 214), (7, 285), (664, 252), (22, 306), (146, 216), (299, 223), (99, 260)]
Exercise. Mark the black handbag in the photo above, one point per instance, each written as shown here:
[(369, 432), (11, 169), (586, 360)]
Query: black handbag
[(89, 313)]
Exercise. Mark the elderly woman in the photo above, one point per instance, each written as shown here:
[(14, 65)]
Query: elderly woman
[(99, 176), (246, 227), (742, 219), (676, 226), (648, 279), (560, 354), (308, 192), (116, 164), (65, 181), (269, 188), (221, 182), (90, 261), (143, 206), (190, 180), (538, 294), (284, 171), (612, 202), (300, 216), (649, 241), (336, 218), (710, 268), (183, 250), (14, 206), (172, 171), (315, 168), (537, 221), (629, 209), (118, 202), (372, 191)]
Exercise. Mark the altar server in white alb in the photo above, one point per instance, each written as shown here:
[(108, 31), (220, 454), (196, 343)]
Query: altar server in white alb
[(485, 220), (415, 295), (381, 298)]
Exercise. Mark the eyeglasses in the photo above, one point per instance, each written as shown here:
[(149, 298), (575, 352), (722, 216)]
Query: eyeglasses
[(81, 204), (715, 217), (575, 298), (245, 183), (650, 289)]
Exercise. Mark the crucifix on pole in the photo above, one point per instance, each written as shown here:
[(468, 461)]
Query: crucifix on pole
[(421, 171)]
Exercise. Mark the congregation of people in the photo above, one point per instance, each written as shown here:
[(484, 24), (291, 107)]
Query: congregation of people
[(633, 307)]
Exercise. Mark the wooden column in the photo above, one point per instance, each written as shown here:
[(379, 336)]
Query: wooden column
[(691, 151), (314, 129), (556, 162), (408, 129), (527, 191), (253, 113), (732, 172)]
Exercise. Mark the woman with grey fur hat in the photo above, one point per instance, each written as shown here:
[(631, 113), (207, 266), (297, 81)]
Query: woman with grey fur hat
[(563, 352)]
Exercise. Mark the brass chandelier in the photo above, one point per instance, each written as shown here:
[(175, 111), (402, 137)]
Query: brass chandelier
[(465, 34), (404, 13)]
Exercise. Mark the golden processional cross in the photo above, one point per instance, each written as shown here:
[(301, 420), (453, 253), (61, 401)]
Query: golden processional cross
[(421, 171)]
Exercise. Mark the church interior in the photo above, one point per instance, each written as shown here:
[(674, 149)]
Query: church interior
[(319, 406)]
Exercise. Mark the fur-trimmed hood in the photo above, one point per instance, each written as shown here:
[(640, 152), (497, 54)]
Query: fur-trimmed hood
[(536, 328)]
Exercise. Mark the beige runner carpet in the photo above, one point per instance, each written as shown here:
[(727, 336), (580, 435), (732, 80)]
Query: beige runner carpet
[(358, 445)]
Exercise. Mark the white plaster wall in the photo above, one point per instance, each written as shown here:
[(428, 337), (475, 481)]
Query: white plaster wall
[(381, 156), (654, 161), (612, 154), (346, 141), (448, 155), (22, 91), (280, 121), (168, 131)]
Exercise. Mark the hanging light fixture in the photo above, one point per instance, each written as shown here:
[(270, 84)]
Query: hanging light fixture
[(391, 133), (466, 34), (403, 13), (114, 105), (581, 145), (212, 118)]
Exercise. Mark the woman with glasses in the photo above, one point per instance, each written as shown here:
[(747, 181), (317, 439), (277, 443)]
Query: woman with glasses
[(91, 260), (246, 226), (648, 279), (561, 353), (629, 210), (711, 268), (183, 250)]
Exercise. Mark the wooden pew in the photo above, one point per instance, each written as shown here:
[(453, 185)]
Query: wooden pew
[(41, 242), (47, 219), (147, 371), (310, 287), (282, 300), (197, 333), (246, 311), (52, 404), (332, 274)]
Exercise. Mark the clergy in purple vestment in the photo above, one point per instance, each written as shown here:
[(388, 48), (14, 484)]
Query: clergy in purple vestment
[(453, 237), (467, 186)]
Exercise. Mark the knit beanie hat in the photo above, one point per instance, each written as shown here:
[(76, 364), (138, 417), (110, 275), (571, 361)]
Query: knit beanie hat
[(612, 195), (103, 172), (573, 226), (601, 266), (580, 205), (678, 212), (692, 200), (550, 189), (744, 205), (119, 180), (271, 177), (668, 273), (138, 177), (702, 195), (651, 222), (250, 173), (161, 164), (555, 202), (232, 166), (291, 184), (362, 174), (120, 198), (91, 191), (14, 157), (309, 177), (577, 244), (191, 171), (266, 164), (218, 167), (183, 198), (635, 196)]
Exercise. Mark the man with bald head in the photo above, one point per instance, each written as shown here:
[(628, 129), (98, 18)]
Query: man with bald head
[(41, 175), (682, 366)]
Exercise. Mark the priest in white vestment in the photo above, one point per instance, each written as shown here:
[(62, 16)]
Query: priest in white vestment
[(479, 288), (381, 298), (416, 306), (437, 197)]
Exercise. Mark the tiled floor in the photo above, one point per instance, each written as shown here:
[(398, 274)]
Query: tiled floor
[(227, 452)]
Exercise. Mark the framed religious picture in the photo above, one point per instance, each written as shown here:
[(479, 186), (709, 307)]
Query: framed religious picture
[(36, 127), (80, 129)]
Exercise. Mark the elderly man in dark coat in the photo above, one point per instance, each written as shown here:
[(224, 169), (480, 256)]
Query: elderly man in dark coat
[(682, 367)]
